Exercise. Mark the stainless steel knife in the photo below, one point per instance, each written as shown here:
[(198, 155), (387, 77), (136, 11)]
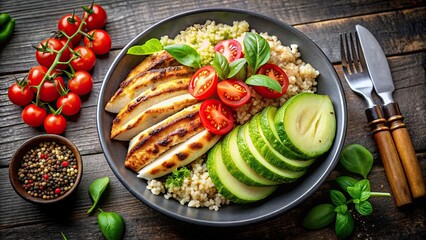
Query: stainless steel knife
[(380, 74)]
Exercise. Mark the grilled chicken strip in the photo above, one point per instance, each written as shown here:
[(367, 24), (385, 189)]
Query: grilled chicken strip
[(180, 155), (152, 142), (151, 116), (149, 79), (148, 98)]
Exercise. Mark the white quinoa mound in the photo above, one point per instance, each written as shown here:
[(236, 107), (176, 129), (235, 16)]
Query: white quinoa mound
[(199, 190)]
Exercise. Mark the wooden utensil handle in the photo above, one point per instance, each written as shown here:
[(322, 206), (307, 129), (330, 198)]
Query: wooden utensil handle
[(389, 155), (405, 149)]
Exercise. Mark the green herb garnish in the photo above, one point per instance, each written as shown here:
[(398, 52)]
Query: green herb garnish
[(151, 46), (256, 50), (265, 81), (96, 189), (111, 225), (177, 177), (356, 159)]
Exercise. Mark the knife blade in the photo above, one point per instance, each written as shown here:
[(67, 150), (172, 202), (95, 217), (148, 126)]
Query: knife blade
[(381, 77)]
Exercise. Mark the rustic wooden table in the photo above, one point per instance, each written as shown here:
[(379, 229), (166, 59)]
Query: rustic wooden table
[(400, 27)]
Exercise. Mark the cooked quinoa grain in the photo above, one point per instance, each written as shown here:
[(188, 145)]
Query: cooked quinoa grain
[(198, 190)]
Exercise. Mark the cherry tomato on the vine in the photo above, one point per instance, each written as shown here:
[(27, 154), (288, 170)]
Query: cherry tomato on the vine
[(203, 83), (33, 115), (20, 95), (101, 42), (86, 60), (216, 117), (97, 19), (276, 73), (69, 24), (70, 103), (55, 123), (46, 58), (231, 49), (81, 83), (233, 93)]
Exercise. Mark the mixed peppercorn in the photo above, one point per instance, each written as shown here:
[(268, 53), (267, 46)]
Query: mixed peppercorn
[(48, 171)]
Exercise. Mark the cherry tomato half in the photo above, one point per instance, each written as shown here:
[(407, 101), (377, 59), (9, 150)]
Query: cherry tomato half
[(101, 43), (97, 19), (20, 95), (216, 117), (69, 25), (70, 103), (55, 123), (33, 115), (230, 48), (277, 74), (233, 93), (47, 58), (81, 83), (203, 83), (86, 59)]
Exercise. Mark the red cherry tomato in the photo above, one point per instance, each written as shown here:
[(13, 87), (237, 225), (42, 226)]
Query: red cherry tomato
[(70, 103), (81, 83), (20, 95), (55, 123), (216, 117), (97, 19), (230, 48), (203, 83), (86, 59), (69, 25), (233, 93), (33, 115), (101, 42), (35, 76), (46, 58), (277, 74)]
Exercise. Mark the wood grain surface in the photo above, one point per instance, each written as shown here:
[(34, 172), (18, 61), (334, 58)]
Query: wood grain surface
[(399, 26)]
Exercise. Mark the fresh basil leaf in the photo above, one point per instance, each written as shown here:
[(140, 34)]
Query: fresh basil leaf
[(341, 208), (365, 196), (111, 225), (256, 50), (96, 189), (364, 208), (355, 193), (221, 65), (356, 159), (345, 181), (185, 55), (319, 216), (363, 185), (344, 225), (237, 67), (265, 81), (151, 46), (337, 197)]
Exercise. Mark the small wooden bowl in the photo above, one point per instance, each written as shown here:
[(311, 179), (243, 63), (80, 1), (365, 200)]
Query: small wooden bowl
[(17, 159)]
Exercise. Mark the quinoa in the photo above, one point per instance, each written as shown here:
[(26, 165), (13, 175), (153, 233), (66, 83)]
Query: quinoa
[(198, 190)]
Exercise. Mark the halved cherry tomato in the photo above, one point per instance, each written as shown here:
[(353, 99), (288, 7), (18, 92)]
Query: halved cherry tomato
[(230, 48), (47, 58), (203, 83), (69, 25), (277, 74), (216, 117), (86, 59), (233, 93), (55, 123), (97, 19), (70, 103), (33, 115), (101, 42)]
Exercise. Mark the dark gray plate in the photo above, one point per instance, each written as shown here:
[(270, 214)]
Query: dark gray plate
[(285, 198)]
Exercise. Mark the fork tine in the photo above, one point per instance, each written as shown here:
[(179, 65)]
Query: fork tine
[(349, 53), (343, 53), (354, 52), (361, 54)]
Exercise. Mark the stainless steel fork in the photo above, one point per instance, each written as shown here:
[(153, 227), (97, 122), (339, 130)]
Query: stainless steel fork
[(358, 79)]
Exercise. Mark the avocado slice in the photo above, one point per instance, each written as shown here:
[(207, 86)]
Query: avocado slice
[(306, 124), (229, 186)]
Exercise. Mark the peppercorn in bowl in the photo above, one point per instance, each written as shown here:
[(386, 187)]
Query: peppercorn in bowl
[(46, 169)]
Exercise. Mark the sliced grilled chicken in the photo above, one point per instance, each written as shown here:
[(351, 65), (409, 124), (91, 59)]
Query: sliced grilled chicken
[(152, 142), (179, 155), (151, 116), (149, 79), (160, 59), (148, 98)]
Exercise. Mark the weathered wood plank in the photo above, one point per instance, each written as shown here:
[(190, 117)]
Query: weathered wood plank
[(144, 223), (127, 19)]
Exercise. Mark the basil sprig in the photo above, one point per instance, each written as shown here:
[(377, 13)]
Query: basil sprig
[(96, 189), (226, 70), (256, 50), (357, 193), (183, 53)]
